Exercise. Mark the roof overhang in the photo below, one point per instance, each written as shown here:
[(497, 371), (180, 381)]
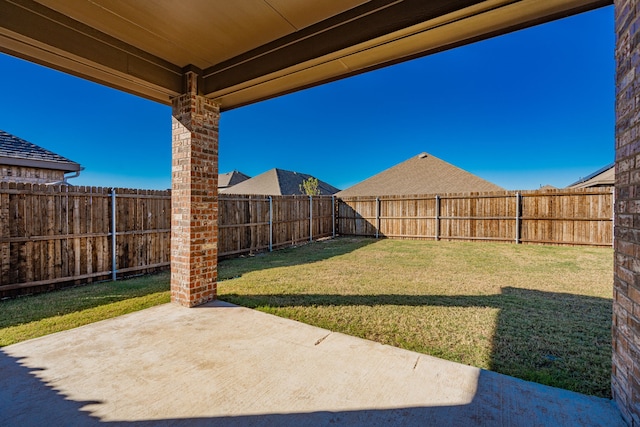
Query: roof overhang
[(40, 164), (605, 176), (251, 50)]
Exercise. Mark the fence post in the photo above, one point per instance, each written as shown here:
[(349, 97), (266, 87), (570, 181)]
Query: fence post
[(333, 216), (518, 216), (613, 217), (113, 234), (270, 224), (311, 218), (377, 217), (437, 218)]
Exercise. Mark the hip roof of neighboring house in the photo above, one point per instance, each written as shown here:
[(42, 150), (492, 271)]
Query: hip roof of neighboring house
[(277, 182), (16, 151), (421, 174), (232, 178), (603, 177)]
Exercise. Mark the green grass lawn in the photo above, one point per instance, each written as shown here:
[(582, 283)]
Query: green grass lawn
[(34, 316), (540, 313)]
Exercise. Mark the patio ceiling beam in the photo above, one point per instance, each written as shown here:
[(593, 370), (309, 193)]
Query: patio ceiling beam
[(38, 34), (359, 25)]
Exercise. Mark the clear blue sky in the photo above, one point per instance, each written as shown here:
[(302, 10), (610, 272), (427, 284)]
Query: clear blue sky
[(527, 109)]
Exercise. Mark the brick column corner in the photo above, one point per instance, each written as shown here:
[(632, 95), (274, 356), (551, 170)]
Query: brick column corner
[(625, 379), (194, 197)]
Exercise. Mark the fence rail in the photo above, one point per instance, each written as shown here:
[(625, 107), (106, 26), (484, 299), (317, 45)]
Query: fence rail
[(562, 217)]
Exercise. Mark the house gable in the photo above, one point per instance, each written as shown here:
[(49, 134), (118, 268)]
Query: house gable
[(421, 174)]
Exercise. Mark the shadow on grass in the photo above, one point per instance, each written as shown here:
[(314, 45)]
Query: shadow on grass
[(32, 308), (555, 339), (291, 256)]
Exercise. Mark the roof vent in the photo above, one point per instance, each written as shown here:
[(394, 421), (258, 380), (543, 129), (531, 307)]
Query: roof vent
[(422, 155)]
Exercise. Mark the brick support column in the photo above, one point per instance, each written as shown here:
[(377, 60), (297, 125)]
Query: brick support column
[(625, 383), (194, 197)]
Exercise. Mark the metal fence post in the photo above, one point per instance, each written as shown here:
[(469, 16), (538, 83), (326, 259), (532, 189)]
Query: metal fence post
[(437, 218), (311, 218), (333, 216), (113, 234), (613, 216), (270, 224), (518, 216), (377, 217)]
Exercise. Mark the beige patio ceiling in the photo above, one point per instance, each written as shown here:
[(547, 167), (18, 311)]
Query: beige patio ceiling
[(249, 50)]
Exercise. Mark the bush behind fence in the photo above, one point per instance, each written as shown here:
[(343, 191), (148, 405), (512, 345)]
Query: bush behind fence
[(57, 235)]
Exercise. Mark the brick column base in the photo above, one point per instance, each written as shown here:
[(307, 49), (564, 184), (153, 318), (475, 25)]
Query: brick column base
[(625, 380), (194, 197)]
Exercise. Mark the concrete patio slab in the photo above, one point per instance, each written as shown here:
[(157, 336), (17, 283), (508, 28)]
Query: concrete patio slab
[(221, 364)]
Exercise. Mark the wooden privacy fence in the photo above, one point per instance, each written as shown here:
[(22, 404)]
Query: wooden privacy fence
[(565, 217), (55, 235), (257, 223)]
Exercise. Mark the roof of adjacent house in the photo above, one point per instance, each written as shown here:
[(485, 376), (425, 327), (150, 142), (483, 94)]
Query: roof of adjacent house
[(18, 152), (421, 174), (605, 176), (275, 182), (232, 178)]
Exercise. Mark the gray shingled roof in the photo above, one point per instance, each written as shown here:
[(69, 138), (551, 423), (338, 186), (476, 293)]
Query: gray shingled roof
[(18, 152), (421, 174), (276, 182), (603, 177), (232, 178)]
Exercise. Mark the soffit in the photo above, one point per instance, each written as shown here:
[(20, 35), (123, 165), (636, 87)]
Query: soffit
[(198, 32)]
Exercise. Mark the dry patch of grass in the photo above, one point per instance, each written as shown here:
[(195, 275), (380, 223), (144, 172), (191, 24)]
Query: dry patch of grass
[(540, 313)]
